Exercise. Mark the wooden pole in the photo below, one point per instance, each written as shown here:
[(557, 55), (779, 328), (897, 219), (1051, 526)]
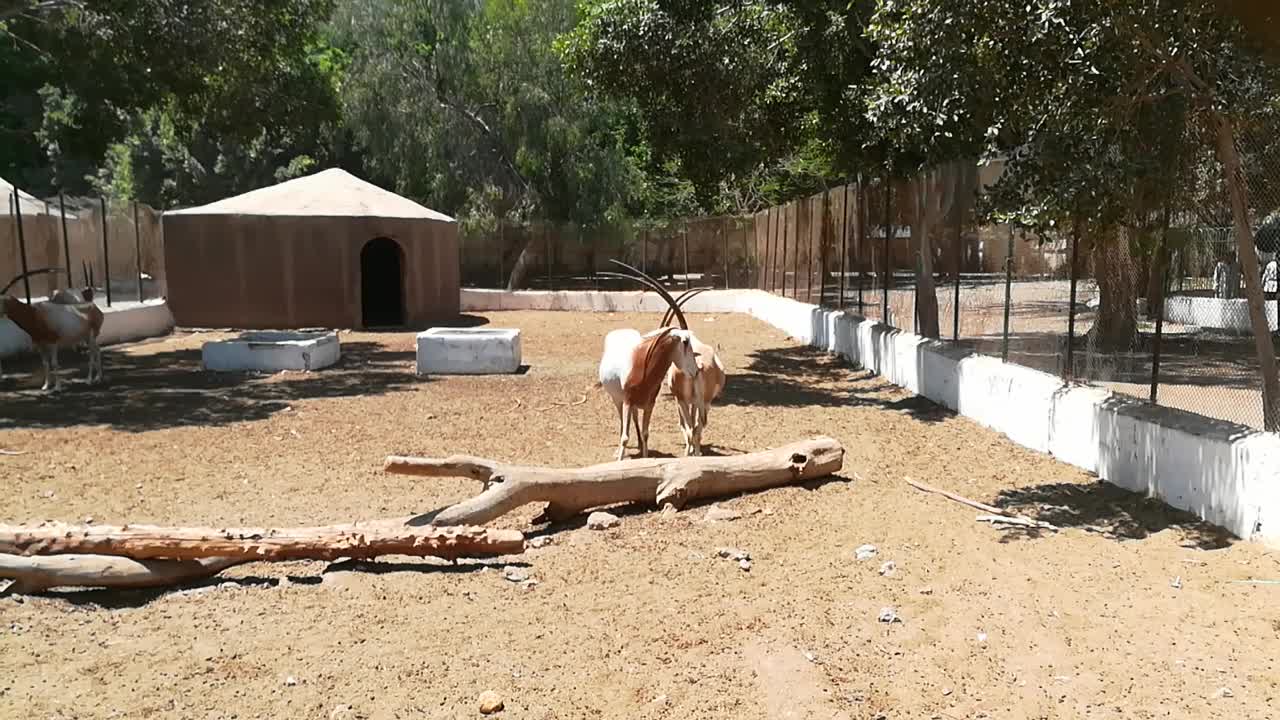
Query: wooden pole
[(660, 481)]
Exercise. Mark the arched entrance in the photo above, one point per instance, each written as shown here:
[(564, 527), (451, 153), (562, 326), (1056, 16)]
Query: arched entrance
[(381, 283)]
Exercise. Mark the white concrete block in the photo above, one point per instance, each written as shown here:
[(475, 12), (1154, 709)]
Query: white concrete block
[(468, 351), (272, 351)]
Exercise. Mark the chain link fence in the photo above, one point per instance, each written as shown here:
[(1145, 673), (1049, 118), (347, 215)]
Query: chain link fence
[(1154, 311)]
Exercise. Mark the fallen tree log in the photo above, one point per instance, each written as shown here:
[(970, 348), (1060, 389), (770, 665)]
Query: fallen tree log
[(360, 540), (660, 481), (37, 574)]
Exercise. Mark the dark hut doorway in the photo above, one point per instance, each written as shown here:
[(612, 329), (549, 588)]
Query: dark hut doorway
[(381, 284)]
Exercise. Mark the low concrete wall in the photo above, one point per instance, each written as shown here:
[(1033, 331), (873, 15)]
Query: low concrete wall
[(1207, 312), (1226, 474), (119, 324)]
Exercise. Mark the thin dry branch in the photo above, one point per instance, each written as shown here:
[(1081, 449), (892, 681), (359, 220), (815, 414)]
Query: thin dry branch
[(997, 516)]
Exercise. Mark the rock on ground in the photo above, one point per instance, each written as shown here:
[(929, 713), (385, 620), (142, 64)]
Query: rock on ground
[(490, 702), (602, 520)]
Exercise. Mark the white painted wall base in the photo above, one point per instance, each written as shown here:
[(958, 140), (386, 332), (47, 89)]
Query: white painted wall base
[(1216, 314), (124, 322), (269, 351), (1226, 474), (468, 351)]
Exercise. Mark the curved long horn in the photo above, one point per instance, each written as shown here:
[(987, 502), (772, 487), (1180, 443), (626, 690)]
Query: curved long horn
[(683, 298), (657, 287), (29, 273)]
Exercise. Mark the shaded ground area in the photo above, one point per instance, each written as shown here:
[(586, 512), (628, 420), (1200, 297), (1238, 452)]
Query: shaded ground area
[(1130, 611)]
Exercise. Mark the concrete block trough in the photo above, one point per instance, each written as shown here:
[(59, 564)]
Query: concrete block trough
[(468, 351), (272, 351)]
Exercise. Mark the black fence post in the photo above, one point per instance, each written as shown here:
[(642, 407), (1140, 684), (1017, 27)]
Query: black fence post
[(644, 251), (502, 260), (822, 250), (137, 248), (546, 239), (783, 262), (1071, 307), (22, 242), (860, 241), (844, 242), (955, 310), (770, 239), (66, 245), (106, 250), (795, 257), (888, 231), (808, 284), (724, 245), (1008, 297), (684, 239), (1159, 310)]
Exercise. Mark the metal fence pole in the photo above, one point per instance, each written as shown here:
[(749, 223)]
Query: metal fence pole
[(106, 250), (546, 237), (66, 246), (502, 260), (1071, 307), (684, 235), (770, 236), (22, 242), (795, 255), (888, 224), (786, 226), (822, 225), (644, 251), (724, 245), (822, 250), (844, 242), (1008, 297), (137, 247), (1164, 290), (955, 310), (860, 218)]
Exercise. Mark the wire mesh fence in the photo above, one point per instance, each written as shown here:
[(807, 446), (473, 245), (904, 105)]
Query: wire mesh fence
[(1156, 312), (118, 245)]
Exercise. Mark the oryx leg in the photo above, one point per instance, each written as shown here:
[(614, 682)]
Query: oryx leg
[(642, 427), (624, 427)]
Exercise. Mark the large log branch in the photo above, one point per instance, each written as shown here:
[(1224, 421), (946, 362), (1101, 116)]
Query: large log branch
[(569, 492), (365, 540), (37, 574)]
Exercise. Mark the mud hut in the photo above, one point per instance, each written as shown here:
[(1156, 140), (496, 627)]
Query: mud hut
[(324, 250)]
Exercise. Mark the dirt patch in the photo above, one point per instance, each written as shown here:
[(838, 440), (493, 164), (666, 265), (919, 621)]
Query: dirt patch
[(640, 621)]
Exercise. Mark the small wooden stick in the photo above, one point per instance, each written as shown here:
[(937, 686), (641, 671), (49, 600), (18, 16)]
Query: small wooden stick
[(958, 498), (36, 574), (13, 452), (1020, 520)]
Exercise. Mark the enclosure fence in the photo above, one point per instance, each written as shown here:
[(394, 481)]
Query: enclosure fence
[(118, 244), (1167, 325)]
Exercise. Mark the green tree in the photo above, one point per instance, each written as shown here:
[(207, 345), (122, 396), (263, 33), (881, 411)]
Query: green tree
[(467, 106)]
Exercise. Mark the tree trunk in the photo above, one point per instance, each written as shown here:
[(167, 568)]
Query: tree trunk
[(37, 574), (1116, 326), (1238, 191), (520, 271), (363, 540), (648, 480)]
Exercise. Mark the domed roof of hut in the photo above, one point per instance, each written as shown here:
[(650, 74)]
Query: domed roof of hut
[(328, 193)]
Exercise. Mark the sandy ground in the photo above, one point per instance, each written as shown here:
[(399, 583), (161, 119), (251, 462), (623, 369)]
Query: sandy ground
[(1131, 611)]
